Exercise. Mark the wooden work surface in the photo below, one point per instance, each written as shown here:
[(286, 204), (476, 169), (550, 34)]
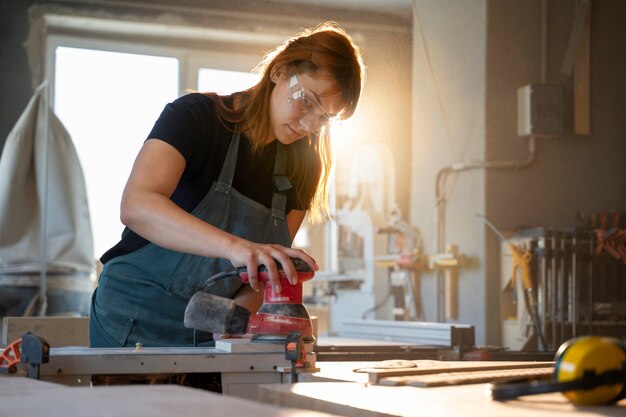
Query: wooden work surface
[(20, 397), (364, 400), (356, 395)]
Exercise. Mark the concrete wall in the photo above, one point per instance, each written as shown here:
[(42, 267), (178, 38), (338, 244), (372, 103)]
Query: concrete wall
[(571, 173), (14, 74), (494, 50)]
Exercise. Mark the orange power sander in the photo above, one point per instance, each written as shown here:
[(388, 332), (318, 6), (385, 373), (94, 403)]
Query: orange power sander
[(279, 315)]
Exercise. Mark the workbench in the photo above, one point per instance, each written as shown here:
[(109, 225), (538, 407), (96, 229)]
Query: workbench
[(256, 372), (242, 365), (354, 399), (355, 396), (337, 389)]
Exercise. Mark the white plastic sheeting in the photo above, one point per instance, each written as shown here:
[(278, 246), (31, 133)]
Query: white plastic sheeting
[(40, 171)]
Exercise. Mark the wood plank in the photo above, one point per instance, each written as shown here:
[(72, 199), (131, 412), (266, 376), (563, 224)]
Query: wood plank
[(14, 385), (245, 345), (466, 377), (424, 367), (130, 401), (57, 331)]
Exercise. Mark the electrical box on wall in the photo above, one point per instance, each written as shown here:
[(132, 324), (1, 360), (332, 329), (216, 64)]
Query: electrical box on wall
[(540, 110)]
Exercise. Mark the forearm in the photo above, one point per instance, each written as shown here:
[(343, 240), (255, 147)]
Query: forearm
[(148, 211), (157, 219)]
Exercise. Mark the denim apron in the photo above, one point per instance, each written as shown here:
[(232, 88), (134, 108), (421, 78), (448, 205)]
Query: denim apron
[(141, 296)]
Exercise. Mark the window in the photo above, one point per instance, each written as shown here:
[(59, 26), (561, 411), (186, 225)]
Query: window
[(225, 82), (108, 96), (107, 102)]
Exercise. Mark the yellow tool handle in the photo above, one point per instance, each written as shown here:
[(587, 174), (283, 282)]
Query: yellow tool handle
[(521, 261)]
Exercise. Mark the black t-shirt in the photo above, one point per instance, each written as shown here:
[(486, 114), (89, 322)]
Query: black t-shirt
[(191, 125)]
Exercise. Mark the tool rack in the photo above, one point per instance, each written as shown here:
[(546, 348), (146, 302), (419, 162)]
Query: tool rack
[(579, 277)]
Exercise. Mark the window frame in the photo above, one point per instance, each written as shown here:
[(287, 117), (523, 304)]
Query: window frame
[(190, 60), (194, 46)]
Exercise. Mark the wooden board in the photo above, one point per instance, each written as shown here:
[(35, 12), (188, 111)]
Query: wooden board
[(423, 367), (57, 331), (12, 386), (435, 372), (25, 397), (244, 345), (466, 377), (364, 400)]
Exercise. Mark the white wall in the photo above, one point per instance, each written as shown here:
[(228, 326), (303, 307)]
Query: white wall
[(449, 127)]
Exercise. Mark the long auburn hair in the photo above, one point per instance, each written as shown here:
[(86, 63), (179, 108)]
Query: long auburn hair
[(327, 47)]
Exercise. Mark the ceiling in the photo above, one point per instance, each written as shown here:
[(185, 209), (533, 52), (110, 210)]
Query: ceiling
[(402, 8)]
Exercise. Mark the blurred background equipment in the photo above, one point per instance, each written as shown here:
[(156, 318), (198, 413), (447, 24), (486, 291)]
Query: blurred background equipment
[(579, 276)]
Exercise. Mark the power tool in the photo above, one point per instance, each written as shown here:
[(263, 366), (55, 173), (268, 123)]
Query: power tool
[(279, 315)]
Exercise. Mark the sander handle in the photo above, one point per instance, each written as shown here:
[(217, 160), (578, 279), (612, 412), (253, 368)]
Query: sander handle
[(303, 271)]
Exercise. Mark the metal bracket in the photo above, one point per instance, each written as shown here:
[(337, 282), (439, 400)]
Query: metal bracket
[(35, 352)]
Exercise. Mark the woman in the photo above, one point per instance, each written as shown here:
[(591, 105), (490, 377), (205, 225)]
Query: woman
[(223, 182)]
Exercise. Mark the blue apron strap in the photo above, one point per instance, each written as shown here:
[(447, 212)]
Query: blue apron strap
[(281, 182), (225, 180)]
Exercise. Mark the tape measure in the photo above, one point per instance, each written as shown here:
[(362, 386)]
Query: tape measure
[(588, 370)]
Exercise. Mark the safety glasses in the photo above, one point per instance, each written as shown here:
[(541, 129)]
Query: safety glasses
[(313, 117)]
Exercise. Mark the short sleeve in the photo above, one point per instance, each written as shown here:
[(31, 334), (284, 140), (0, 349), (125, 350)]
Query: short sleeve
[(180, 125)]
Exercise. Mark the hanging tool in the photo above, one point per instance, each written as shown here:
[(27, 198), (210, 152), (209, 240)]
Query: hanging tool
[(600, 234), (611, 240), (279, 315), (521, 262)]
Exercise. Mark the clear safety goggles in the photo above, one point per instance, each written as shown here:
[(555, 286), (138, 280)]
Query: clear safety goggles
[(313, 117)]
